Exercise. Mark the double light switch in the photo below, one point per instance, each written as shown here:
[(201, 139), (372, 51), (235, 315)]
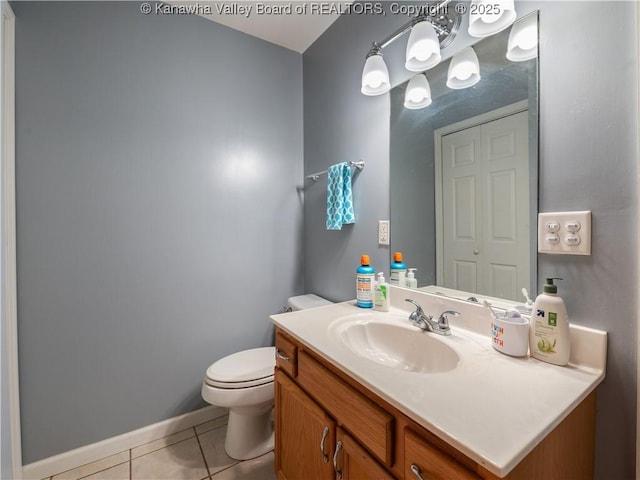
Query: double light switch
[(565, 233)]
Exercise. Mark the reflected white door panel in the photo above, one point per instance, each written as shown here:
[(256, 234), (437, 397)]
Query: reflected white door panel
[(485, 207)]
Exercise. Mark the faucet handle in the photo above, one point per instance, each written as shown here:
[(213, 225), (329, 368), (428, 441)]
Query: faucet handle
[(443, 320), (418, 313), (418, 307), (417, 317)]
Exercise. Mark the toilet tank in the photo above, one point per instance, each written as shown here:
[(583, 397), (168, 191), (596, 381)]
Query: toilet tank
[(302, 302)]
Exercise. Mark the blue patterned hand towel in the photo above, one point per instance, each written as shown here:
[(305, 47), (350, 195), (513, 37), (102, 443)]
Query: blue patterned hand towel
[(339, 197)]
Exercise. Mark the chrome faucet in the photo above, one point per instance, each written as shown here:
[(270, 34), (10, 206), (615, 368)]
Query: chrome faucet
[(427, 323)]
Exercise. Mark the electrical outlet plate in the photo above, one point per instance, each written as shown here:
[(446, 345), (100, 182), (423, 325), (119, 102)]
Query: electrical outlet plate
[(565, 233), (383, 232)]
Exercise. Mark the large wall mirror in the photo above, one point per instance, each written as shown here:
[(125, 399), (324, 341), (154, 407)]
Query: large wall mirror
[(464, 177)]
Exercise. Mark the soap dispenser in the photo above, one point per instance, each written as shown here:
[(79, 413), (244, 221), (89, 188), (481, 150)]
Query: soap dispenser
[(412, 281), (382, 299), (549, 339)]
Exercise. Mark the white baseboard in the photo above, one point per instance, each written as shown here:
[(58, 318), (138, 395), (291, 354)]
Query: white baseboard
[(110, 446)]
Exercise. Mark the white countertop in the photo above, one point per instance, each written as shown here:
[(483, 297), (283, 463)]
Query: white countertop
[(492, 407)]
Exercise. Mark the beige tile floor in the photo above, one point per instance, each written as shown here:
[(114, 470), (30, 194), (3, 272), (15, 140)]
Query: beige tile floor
[(193, 454)]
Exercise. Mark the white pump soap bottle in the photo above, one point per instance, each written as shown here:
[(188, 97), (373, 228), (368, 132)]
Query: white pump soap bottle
[(549, 339), (412, 281), (382, 294)]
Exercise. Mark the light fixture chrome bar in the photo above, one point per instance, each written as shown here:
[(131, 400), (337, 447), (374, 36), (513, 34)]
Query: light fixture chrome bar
[(316, 176), (422, 16), (394, 36)]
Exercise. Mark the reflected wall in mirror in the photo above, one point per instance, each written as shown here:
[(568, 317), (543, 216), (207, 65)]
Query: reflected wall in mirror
[(464, 177)]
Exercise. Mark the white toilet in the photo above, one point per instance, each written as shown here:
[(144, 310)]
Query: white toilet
[(243, 383)]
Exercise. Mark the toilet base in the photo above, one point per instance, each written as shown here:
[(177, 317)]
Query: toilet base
[(249, 436)]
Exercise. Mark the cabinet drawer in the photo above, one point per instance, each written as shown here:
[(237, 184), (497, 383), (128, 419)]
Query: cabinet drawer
[(286, 354), (367, 422), (429, 462)]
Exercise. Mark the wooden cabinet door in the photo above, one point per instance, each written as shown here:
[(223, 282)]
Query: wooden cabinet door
[(424, 461), (367, 421), (352, 462), (305, 435)]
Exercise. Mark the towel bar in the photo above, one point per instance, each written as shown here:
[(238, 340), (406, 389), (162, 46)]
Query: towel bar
[(316, 176)]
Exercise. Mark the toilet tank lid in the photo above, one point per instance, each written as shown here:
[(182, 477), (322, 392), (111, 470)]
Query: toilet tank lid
[(310, 300)]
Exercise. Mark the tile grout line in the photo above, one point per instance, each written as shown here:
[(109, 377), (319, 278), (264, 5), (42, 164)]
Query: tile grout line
[(202, 452), (103, 470), (228, 467), (131, 454), (212, 475)]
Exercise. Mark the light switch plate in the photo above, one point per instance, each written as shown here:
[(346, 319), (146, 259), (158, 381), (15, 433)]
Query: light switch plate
[(565, 233)]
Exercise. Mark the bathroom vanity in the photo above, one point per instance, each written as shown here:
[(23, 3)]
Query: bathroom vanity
[(363, 394)]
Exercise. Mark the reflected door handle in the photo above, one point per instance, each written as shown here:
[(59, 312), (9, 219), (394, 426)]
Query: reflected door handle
[(476, 252)]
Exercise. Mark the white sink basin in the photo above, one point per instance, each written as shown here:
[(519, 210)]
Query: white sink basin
[(393, 342)]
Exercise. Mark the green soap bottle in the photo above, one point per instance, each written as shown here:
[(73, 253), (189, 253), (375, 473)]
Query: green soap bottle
[(382, 298), (549, 338)]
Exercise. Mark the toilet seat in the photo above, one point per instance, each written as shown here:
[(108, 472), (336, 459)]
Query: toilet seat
[(244, 383), (249, 368)]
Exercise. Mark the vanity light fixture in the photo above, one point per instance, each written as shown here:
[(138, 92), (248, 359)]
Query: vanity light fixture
[(488, 17), (375, 75), (523, 39), (423, 47), (433, 28), (464, 70), (418, 94)]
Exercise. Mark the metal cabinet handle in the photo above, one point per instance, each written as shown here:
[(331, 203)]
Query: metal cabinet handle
[(476, 251), (325, 457), (335, 460), (281, 356), (415, 469)]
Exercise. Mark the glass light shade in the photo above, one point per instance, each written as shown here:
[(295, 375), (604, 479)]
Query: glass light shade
[(464, 70), (418, 94), (523, 39), (488, 17), (423, 48), (375, 76)]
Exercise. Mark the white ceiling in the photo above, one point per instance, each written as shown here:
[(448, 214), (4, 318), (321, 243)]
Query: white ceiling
[(294, 31)]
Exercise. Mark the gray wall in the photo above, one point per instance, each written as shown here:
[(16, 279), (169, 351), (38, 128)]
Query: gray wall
[(341, 124), (588, 141), (158, 218)]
